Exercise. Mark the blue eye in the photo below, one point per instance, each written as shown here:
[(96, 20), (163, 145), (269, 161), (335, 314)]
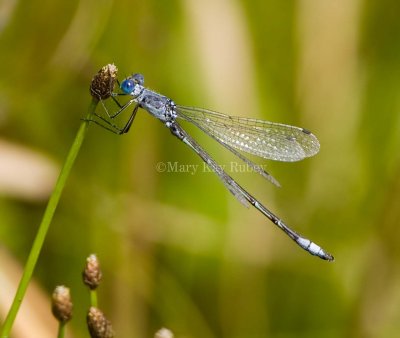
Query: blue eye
[(127, 86)]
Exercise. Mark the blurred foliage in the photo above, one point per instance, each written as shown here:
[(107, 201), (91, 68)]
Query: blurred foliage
[(177, 249)]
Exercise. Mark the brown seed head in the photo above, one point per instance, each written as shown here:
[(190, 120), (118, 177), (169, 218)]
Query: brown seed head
[(61, 304), (99, 326), (92, 272), (103, 82), (164, 333)]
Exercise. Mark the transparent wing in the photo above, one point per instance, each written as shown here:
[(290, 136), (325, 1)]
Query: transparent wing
[(275, 141), (250, 163)]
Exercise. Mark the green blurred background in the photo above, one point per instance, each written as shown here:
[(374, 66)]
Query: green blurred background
[(177, 249)]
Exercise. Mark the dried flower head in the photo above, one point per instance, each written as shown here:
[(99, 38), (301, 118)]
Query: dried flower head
[(92, 272), (103, 82), (61, 304), (164, 333), (99, 326)]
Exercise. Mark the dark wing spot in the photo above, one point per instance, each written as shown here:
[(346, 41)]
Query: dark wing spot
[(305, 131)]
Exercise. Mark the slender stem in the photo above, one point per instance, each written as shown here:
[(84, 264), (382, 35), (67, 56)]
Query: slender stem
[(93, 298), (61, 330), (44, 225)]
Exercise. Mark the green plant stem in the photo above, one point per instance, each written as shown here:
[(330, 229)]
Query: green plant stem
[(44, 225), (93, 298), (61, 330)]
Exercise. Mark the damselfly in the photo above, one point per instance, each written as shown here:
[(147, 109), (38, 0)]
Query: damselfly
[(265, 139)]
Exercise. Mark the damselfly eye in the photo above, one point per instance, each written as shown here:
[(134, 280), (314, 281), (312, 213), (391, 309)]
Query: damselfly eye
[(127, 86)]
